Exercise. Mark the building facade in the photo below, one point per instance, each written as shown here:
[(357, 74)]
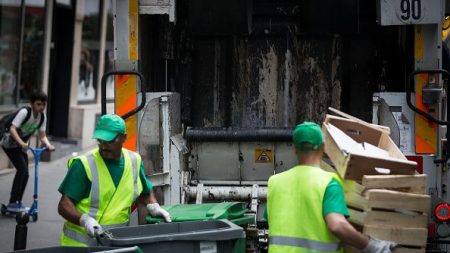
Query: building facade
[(61, 47)]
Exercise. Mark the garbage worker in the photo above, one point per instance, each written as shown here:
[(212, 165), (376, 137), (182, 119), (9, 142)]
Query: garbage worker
[(306, 207), (101, 186)]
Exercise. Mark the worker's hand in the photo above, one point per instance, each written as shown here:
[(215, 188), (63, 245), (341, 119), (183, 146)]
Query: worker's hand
[(90, 225), (379, 246), (24, 146), (156, 211)]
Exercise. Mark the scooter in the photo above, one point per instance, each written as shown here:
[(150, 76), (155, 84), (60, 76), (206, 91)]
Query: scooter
[(33, 211)]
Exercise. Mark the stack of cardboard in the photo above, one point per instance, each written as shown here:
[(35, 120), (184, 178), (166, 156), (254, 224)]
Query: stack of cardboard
[(386, 197)]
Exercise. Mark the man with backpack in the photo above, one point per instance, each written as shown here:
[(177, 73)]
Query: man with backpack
[(17, 128)]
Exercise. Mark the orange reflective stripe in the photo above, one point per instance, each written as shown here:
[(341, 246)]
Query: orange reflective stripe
[(130, 143), (426, 131), (126, 101), (126, 85)]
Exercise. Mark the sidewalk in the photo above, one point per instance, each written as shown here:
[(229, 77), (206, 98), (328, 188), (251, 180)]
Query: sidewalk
[(46, 231)]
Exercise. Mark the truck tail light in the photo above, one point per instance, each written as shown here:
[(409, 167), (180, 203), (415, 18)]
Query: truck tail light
[(442, 212)]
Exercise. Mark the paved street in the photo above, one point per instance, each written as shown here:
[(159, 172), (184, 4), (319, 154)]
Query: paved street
[(46, 231)]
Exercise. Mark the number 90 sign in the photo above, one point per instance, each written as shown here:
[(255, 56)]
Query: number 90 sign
[(409, 12)]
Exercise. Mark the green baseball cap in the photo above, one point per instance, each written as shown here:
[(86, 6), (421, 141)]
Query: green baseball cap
[(307, 136), (108, 126)]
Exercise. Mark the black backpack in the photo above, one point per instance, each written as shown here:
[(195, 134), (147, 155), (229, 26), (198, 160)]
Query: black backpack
[(6, 121)]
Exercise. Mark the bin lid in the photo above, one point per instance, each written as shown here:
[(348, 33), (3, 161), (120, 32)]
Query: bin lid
[(172, 234), (207, 211)]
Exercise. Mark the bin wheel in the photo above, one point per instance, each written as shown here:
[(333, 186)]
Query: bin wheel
[(3, 210), (34, 217)]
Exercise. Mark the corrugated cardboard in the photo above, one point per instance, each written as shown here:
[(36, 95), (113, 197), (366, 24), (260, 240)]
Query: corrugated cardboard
[(354, 164)]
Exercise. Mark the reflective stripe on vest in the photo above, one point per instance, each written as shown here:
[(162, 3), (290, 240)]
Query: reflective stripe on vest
[(304, 243), (89, 241), (135, 173), (95, 195)]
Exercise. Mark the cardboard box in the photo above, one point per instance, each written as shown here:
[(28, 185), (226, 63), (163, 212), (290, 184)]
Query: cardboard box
[(345, 144)]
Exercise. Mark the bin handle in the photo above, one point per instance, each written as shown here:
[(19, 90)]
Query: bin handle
[(104, 234)]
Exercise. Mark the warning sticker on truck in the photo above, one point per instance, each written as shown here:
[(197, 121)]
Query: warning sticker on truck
[(263, 156)]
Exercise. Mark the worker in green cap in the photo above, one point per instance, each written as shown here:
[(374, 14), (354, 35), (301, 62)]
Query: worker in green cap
[(306, 207), (101, 186)]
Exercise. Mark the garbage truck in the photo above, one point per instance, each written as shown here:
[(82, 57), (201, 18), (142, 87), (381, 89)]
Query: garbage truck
[(218, 86)]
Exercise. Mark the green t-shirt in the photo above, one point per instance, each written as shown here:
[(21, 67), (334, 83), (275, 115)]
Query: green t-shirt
[(77, 186), (333, 201)]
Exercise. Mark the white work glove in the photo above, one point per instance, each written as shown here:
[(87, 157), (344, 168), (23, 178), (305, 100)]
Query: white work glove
[(156, 211), (379, 246), (90, 225)]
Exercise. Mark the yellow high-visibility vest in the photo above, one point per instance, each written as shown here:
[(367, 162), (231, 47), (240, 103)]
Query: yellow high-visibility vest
[(294, 209), (109, 205)]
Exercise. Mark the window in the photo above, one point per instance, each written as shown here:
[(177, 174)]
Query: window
[(32, 48), (89, 55), (9, 50)]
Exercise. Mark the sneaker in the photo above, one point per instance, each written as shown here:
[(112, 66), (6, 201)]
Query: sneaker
[(17, 207)]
